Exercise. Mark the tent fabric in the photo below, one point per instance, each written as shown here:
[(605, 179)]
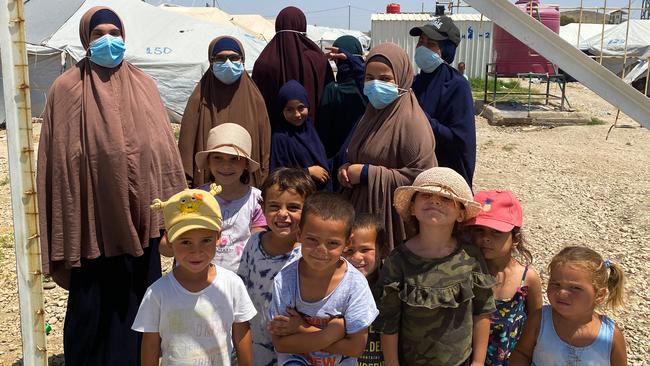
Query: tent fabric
[(569, 33), (638, 40), (638, 45), (257, 25), (325, 36)]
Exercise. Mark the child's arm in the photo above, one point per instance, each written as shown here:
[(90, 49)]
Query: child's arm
[(389, 349), (150, 353), (534, 298), (480, 335), (241, 337), (312, 341), (523, 354), (351, 345), (284, 325), (618, 356)]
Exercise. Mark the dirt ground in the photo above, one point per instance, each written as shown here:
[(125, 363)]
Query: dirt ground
[(576, 189)]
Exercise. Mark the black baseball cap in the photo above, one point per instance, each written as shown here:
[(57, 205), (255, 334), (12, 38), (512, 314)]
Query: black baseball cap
[(439, 29)]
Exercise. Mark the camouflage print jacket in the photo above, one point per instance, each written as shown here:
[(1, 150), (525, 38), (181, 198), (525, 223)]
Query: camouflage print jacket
[(431, 302)]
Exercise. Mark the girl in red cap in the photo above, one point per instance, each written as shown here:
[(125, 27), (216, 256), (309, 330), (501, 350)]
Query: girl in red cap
[(496, 230)]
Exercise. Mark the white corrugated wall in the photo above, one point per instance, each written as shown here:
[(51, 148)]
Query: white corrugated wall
[(475, 48)]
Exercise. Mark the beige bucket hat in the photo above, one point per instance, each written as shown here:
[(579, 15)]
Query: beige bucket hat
[(231, 139), (442, 181)]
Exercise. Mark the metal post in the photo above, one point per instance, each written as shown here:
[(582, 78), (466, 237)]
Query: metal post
[(349, 10), (602, 33), (22, 170), (548, 86), (579, 25), (530, 85), (485, 89)]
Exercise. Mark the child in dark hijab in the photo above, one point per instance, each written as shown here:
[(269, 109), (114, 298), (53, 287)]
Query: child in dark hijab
[(295, 143)]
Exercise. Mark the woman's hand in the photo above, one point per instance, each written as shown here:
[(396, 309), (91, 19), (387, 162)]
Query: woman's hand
[(318, 173), (335, 54), (343, 176), (354, 173)]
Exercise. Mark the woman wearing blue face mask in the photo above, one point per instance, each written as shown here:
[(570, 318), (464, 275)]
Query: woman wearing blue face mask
[(445, 96), (225, 94), (106, 150), (392, 142)]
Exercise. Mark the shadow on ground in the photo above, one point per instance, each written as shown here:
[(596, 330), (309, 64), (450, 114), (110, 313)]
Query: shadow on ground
[(56, 360)]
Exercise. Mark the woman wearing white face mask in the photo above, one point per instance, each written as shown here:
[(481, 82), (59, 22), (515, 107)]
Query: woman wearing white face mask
[(392, 142), (106, 150), (225, 94), (445, 96)]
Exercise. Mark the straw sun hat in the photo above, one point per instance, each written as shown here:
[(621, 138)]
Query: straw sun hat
[(231, 139), (442, 181)]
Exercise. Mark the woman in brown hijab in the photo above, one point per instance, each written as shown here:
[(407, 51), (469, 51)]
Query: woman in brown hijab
[(290, 55), (225, 94), (106, 151), (393, 141)]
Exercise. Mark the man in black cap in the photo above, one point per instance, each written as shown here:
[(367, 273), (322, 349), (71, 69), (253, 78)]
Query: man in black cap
[(445, 95)]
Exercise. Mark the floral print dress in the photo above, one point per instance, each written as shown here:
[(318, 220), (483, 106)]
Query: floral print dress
[(506, 324)]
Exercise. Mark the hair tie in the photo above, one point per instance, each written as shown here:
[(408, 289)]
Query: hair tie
[(607, 263)]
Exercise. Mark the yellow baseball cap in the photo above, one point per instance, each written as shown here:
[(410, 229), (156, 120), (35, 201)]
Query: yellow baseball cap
[(190, 209)]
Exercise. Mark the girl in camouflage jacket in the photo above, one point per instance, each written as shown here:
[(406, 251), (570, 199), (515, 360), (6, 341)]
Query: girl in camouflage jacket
[(435, 292)]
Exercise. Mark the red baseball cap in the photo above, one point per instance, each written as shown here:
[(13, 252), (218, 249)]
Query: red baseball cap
[(501, 211)]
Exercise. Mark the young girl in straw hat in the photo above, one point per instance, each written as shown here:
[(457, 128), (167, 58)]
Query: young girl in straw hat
[(436, 296), (228, 159)]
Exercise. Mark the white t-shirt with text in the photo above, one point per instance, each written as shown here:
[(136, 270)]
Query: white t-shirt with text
[(195, 327)]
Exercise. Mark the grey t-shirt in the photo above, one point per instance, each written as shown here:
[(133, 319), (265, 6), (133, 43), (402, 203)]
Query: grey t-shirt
[(351, 299)]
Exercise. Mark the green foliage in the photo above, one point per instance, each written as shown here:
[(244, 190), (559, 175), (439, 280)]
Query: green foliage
[(596, 121), (564, 20)]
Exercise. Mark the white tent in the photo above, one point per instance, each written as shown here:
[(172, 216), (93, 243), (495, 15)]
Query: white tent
[(171, 48), (264, 28), (254, 24), (325, 36), (569, 33), (638, 47)]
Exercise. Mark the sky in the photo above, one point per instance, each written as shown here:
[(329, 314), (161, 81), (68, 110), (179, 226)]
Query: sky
[(334, 13)]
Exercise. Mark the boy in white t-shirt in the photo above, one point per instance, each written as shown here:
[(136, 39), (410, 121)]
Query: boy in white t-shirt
[(194, 314), (322, 305)]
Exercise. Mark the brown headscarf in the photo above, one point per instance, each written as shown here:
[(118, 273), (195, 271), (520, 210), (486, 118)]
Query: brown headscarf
[(397, 142), (213, 103), (290, 55), (106, 151)]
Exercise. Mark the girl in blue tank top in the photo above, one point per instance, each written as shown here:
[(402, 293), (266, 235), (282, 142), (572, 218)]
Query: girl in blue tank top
[(570, 331)]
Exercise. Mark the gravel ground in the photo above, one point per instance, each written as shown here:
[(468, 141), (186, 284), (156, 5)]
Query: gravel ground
[(575, 187)]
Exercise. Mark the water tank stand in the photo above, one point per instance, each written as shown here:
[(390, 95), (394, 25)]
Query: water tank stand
[(492, 74)]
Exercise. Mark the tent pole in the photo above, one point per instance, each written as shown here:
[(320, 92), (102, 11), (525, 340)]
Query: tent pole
[(22, 171)]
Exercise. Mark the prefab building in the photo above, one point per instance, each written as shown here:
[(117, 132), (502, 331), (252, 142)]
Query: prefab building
[(475, 48)]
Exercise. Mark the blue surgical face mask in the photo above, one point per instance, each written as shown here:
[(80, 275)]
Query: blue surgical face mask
[(427, 60), (227, 72), (107, 51), (380, 93)]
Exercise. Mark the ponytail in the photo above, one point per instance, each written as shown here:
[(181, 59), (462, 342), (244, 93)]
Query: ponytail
[(615, 286)]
